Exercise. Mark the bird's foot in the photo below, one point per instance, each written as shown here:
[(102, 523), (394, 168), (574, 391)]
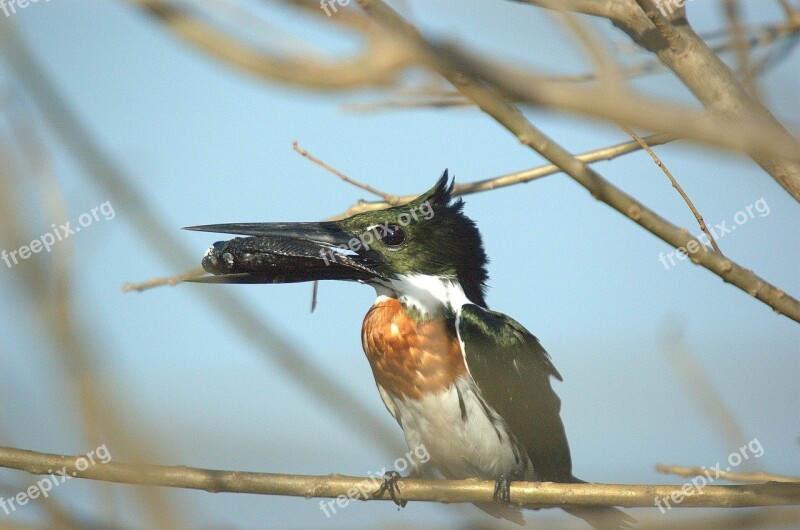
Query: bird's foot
[(390, 484), (502, 488)]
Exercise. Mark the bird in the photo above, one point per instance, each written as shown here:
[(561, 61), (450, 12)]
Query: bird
[(468, 383)]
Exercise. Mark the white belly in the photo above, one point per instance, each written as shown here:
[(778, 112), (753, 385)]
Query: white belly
[(465, 438)]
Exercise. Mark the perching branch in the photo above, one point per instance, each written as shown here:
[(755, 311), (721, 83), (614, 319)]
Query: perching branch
[(531, 494)]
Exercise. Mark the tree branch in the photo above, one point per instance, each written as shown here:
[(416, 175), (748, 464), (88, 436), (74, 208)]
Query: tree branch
[(715, 85), (531, 494), (464, 71), (756, 476), (378, 65), (158, 282), (518, 177), (679, 48)]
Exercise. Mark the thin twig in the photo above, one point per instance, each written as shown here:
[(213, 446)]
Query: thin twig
[(391, 199), (419, 103), (755, 477), (675, 185), (158, 282), (314, 295), (520, 177)]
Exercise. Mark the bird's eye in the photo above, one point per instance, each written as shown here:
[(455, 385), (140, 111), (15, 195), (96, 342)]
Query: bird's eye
[(393, 236)]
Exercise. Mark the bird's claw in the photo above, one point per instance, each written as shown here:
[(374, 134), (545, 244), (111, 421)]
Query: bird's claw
[(502, 488), (389, 484)]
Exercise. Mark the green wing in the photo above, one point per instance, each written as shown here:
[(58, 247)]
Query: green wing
[(513, 372)]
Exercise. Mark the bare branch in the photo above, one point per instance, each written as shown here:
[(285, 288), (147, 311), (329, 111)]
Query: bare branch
[(756, 36), (158, 282), (747, 133), (531, 494), (390, 199), (791, 12), (519, 177), (512, 119), (378, 65), (715, 85), (608, 70), (610, 9), (699, 68), (756, 476)]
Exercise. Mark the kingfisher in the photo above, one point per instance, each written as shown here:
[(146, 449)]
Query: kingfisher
[(471, 385)]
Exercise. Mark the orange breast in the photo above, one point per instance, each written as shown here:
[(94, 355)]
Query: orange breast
[(410, 358)]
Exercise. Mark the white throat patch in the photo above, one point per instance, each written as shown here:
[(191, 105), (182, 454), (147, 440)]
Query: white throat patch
[(427, 294)]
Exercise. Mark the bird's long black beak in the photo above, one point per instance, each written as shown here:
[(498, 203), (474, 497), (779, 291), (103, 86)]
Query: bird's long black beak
[(287, 253)]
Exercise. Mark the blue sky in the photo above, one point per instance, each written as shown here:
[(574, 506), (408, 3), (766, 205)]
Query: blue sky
[(205, 144)]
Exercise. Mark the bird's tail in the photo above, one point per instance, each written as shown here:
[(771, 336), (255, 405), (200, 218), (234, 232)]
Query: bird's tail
[(503, 511), (598, 517), (601, 517)]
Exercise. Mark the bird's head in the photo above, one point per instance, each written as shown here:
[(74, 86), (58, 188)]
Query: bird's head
[(427, 238)]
